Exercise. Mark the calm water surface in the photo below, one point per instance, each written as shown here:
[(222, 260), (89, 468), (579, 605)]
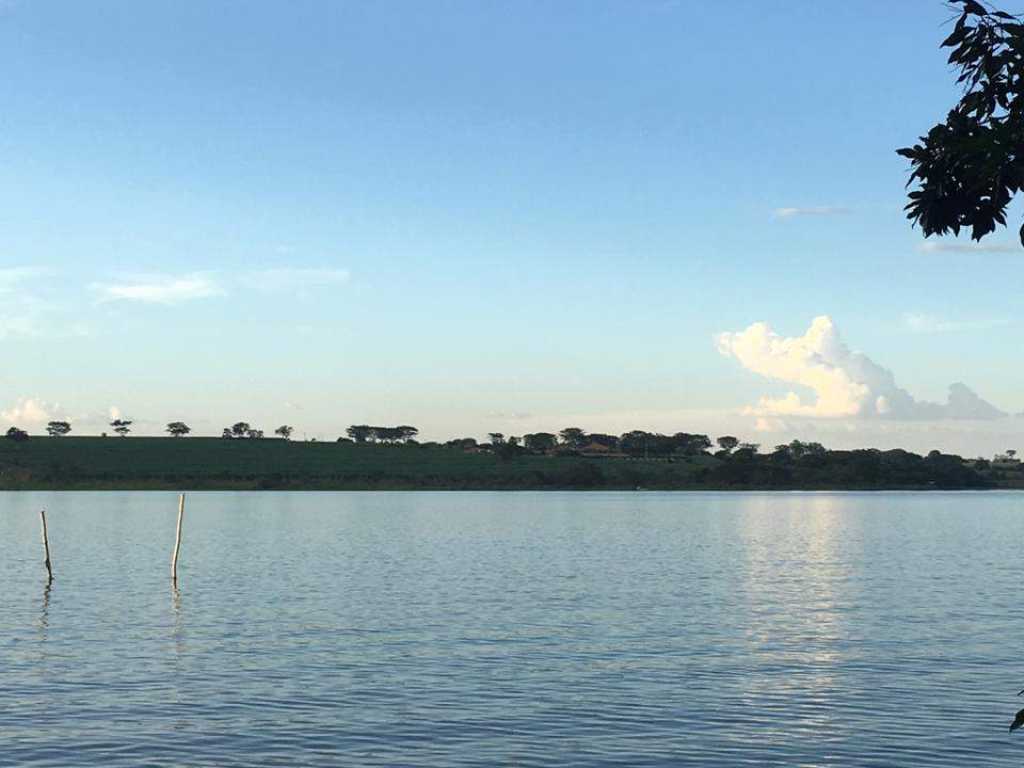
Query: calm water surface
[(486, 629)]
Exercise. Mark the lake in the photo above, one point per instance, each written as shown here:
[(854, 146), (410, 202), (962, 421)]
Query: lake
[(486, 629)]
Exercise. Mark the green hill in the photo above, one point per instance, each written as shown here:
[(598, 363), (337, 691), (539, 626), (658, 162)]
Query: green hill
[(211, 463), (70, 463)]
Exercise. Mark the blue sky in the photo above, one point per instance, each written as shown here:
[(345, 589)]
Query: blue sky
[(481, 216)]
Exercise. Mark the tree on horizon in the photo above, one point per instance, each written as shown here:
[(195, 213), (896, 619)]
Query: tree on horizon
[(406, 432), (691, 444), (574, 437), (284, 431), (58, 428), (359, 432), (178, 428), (121, 426), (540, 442), (727, 443), (237, 430)]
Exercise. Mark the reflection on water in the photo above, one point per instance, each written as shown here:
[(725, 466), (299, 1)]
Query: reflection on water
[(44, 612), (795, 557), (177, 631), (531, 629), (179, 667)]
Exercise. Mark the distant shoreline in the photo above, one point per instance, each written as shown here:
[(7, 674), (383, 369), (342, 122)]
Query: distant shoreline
[(191, 489), (217, 464)]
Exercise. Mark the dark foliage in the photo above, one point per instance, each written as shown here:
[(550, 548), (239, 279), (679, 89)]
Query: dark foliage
[(610, 442), (809, 465), (966, 170), (574, 437), (240, 430), (178, 429), (539, 442), (58, 428), (649, 444), (364, 433), (151, 462)]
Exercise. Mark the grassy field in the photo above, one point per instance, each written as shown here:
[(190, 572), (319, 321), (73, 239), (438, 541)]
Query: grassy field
[(214, 463)]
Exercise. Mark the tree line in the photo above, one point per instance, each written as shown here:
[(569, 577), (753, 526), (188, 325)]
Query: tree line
[(633, 443), (119, 426), (638, 443), (364, 433), (122, 427), (568, 441)]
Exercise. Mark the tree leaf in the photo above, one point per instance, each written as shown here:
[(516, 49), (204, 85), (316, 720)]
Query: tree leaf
[(1018, 721)]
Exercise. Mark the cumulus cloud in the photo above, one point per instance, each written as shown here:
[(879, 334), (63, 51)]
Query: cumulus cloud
[(843, 384), (159, 289), (816, 210), (31, 412)]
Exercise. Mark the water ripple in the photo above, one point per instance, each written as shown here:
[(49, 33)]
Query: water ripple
[(512, 629)]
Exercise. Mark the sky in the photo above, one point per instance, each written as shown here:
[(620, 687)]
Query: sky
[(478, 216)]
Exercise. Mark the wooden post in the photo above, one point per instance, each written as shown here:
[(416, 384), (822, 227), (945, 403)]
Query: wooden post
[(46, 547), (177, 540)]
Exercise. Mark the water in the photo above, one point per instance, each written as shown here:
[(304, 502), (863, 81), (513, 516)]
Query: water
[(485, 629)]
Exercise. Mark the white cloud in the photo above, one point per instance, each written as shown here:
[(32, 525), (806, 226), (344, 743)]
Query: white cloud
[(817, 210), (159, 289), (174, 289), (925, 323), (843, 384), (31, 412), (956, 246), (295, 279)]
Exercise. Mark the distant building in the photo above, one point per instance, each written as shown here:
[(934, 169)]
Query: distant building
[(599, 449)]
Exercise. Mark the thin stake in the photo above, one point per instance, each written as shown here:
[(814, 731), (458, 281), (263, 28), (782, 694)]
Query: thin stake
[(46, 546), (177, 540)]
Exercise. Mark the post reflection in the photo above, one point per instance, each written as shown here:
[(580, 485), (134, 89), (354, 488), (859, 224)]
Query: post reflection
[(177, 676), (178, 621), (43, 625)]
